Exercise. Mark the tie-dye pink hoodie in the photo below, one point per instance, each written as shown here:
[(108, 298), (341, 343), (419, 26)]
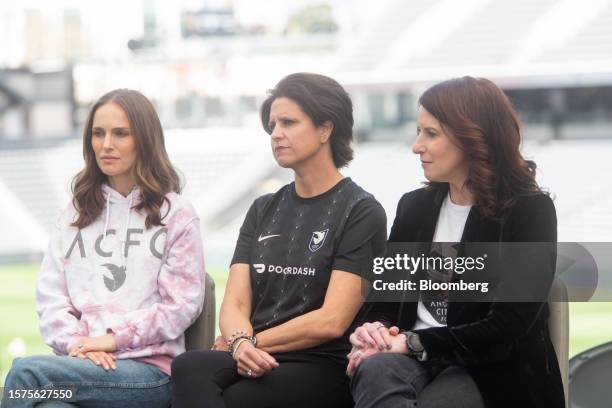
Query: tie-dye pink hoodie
[(144, 285)]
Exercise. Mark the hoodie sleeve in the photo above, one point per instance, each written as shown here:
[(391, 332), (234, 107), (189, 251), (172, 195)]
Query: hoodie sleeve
[(60, 324), (180, 283)]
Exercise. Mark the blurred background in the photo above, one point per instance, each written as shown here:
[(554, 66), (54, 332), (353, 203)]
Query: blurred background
[(207, 65)]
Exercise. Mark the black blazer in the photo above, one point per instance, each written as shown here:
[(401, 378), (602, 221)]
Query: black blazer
[(504, 346)]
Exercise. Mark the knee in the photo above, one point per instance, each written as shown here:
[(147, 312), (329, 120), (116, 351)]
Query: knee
[(382, 369), (24, 372), (455, 382), (192, 364), (182, 364), (376, 366), (373, 370)]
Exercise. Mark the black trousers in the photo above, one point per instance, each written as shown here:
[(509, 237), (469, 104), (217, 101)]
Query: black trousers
[(209, 379)]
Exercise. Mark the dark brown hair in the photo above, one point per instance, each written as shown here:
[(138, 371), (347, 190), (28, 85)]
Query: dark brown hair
[(322, 99), (481, 120), (154, 173)]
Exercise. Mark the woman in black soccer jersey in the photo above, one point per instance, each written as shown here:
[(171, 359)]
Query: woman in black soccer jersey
[(443, 352), (294, 286)]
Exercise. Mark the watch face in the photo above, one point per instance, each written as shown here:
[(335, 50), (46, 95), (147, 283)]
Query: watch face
[(411, 338), (410, 343)]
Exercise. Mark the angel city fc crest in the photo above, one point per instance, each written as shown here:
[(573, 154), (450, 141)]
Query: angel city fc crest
[(317, 240), (118, 276)]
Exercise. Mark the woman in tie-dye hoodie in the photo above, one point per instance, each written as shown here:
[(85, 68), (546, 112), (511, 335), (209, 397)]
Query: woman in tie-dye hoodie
[(122, 278)]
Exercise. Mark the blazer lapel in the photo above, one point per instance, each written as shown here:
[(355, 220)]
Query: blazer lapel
[(478, 229), (429, 215)]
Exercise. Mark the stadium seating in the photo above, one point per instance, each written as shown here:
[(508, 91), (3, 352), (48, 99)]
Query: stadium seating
[(592, 42), (495, 30), (219, 167), (370, 50), (408, 41)]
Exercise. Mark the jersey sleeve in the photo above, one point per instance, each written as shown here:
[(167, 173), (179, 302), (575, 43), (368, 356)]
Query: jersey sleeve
[(364, 238), (242, 252)]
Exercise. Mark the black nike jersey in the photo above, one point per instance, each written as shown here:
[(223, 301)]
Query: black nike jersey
[(292, 244)]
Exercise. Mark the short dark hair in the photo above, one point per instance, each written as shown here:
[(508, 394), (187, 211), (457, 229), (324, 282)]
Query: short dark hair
[(322, 99)]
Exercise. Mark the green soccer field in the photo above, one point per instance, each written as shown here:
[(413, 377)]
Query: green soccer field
[(590, 323)]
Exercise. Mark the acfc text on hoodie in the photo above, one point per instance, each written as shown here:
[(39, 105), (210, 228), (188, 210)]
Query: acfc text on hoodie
[(143, 285)]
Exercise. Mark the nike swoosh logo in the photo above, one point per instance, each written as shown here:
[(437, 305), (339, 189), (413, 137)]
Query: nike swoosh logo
[(261, 238)]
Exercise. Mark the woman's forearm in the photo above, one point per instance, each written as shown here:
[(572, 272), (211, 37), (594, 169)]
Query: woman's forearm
[(305, 331), (342, 302), (233, 318), (235, 312)]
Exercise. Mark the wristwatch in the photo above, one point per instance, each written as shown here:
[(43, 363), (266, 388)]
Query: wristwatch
[(414, 346)]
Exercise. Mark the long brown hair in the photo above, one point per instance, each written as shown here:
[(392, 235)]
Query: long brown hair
[(482, 121), (154, 173)]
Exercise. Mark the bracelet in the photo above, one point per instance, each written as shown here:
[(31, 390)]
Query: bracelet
[(234, 340), (237, 341), (237, 344), (235, 336)]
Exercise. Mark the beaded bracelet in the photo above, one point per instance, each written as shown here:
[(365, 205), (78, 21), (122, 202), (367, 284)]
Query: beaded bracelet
[(237, 344), (233, 340), (235, 336), (237, 341)]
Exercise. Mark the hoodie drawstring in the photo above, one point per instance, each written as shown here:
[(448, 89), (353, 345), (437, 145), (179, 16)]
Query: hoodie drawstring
[(125, 229), (127, 225), (107, 215)]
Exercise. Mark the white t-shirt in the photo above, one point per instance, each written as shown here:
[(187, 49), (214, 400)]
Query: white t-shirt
[(431, 312)]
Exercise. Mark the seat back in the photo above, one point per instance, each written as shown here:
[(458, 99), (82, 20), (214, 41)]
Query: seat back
[(558, 327), (589, 377), (201, 334)]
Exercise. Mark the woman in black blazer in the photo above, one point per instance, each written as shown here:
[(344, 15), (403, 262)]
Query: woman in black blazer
[(479, 189)]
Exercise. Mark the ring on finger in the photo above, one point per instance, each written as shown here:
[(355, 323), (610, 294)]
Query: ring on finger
[(250, 373), (379, 326)]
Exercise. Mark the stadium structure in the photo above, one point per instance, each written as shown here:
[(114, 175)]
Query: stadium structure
[(552, 57)]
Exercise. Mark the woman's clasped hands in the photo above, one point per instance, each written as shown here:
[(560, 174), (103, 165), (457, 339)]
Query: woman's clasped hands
[(97, 349), (373, 338)]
